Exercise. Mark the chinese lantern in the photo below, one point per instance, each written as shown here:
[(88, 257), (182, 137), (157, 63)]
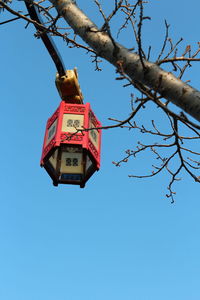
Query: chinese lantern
[(71, 149)]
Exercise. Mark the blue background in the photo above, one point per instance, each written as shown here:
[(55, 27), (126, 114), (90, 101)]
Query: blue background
[(119, 238)]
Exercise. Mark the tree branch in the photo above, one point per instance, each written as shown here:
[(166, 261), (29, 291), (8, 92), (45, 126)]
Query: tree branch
[(165, 83)]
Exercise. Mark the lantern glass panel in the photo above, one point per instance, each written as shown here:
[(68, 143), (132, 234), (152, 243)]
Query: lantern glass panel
[(72, 161), (51, 132), (72, 122), (88, 163), (53, 159), (94, 135)]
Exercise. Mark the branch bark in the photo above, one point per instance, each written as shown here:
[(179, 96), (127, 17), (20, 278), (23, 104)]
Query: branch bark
[(147, 73)]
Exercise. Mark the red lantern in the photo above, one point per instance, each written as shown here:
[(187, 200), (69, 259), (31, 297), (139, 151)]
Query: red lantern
[(71, 150)]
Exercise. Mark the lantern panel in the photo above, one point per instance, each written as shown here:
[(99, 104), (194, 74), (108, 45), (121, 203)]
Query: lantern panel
[(51, 131), (90, 167), (88, 163), (72, 122), (72, 165), (94, 135), (53, 159), (72, 160)]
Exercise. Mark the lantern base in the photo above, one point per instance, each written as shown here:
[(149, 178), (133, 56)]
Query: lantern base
[(53, 163), (55, 183)]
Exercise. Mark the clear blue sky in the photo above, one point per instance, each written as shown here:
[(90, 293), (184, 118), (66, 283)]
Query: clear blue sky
[(119, 238)]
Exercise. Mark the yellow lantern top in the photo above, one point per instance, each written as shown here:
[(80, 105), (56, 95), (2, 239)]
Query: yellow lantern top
[(69, 88)]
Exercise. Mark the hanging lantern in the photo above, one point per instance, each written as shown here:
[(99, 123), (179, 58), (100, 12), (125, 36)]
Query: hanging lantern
[(71, 154)]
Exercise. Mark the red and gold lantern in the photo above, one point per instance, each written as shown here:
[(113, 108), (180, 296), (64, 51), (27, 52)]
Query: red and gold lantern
[(71, 149)]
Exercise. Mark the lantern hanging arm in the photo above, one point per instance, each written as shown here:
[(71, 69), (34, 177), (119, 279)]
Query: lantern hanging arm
[(66, 81), (46, 38)]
